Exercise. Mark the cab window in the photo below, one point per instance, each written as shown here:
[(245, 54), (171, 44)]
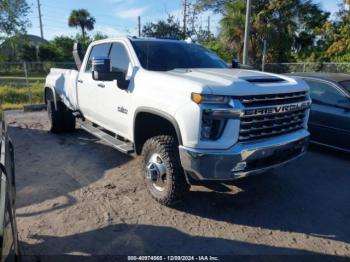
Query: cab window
[(97, 50)]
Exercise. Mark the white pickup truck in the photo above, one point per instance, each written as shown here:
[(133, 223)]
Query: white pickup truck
[(178, 105)]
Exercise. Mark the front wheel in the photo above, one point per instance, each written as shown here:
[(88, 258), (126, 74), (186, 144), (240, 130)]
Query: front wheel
[(165, 178)]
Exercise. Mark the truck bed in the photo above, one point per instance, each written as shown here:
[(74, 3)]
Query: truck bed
[(64, 81)]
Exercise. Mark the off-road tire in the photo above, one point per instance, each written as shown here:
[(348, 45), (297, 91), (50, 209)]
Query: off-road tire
[(176, 184), (56, 117), (69, 120), (62, 119)]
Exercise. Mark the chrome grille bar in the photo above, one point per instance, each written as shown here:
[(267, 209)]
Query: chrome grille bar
[(262, 100), (271, 115)]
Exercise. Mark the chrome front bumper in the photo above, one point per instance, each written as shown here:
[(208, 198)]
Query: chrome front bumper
[(243, 159)]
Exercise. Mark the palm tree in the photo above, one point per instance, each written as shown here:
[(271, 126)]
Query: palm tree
[(81, 18)]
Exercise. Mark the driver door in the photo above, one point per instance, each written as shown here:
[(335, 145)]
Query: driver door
[(113, 103), (88, 87)]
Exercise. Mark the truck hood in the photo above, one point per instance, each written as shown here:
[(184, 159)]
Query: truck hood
[(239, 82)]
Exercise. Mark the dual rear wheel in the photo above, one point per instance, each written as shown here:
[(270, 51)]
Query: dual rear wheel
[(61, 118)]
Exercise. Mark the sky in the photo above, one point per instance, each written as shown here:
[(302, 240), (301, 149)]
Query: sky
[(118, 17)]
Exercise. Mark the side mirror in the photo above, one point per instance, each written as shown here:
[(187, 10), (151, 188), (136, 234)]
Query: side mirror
[(236, 63), (101, 71)]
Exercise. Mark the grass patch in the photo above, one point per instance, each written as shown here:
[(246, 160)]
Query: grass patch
[(14, 95)]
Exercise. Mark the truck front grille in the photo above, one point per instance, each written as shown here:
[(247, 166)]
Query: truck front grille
[(272, 115), (276, 99)]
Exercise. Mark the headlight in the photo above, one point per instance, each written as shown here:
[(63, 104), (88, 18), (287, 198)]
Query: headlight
[(209, 99)]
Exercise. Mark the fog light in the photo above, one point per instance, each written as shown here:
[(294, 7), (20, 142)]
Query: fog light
[(240, 166), (206, 128)]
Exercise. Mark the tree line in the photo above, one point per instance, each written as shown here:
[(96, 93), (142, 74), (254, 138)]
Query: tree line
[(294, 30)]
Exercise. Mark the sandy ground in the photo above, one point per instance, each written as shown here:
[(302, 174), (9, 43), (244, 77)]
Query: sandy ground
[(76, 195)]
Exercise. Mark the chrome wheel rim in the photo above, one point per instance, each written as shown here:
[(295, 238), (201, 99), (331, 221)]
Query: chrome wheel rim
[(156, 172)]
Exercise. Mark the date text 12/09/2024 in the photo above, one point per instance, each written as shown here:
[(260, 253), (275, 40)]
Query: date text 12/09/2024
[(173, 258)]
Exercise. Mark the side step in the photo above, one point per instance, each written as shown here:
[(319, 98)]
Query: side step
[(122, 146)]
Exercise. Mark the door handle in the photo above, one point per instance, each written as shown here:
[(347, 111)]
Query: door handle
[(80, 81), (101, 85)]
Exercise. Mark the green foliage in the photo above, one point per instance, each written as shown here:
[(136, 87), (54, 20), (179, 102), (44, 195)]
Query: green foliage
[(63, 46), (290, 27), (59, 49), (99, 36), (13, 17), (219, 48), (337, 37), (28, 53), (81, 18), (169, 28)]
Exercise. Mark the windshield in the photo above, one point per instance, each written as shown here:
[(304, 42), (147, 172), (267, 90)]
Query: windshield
[(168, 55)]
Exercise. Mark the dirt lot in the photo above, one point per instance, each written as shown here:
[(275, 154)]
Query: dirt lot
[(78, 196)]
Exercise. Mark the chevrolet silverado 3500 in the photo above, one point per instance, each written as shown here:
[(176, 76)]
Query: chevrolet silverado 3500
[(179, 106)]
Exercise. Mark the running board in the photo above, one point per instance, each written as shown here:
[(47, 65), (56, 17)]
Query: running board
[(122, 146)]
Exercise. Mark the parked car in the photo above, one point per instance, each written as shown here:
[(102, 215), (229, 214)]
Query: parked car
[(329, 121), (9, 245), (179, 106)]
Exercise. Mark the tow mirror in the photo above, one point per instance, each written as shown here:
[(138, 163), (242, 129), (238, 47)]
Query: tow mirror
[(101, 71)]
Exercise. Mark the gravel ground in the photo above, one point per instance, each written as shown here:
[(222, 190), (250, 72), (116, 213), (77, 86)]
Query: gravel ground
[(76, 195)]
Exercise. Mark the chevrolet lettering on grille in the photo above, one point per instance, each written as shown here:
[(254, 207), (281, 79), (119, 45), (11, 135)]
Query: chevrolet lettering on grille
[(277, 109)]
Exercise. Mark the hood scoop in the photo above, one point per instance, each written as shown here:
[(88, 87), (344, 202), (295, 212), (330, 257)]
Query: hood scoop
[(263, 79)]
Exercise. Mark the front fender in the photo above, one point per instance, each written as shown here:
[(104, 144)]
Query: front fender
[(162, 114)]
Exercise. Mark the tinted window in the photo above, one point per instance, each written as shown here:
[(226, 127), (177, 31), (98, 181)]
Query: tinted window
[(346, 85), (324, 93), (119, 58), (168, 55), (97, 50)]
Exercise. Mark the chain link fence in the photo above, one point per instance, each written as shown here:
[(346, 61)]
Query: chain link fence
[(281, 68), (22, 83), (32, 69)]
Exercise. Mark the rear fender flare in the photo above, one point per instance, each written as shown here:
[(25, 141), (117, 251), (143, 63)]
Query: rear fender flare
[(53, 93)]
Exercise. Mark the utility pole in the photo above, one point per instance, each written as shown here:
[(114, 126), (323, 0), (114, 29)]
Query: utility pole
[(139, 25), (247, 32), (185, 5), (209, 24), (208, 27), (264, 56), (40, 21)]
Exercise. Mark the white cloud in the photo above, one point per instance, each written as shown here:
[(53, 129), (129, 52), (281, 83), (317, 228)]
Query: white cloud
[(132, 13), (110, 31)]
